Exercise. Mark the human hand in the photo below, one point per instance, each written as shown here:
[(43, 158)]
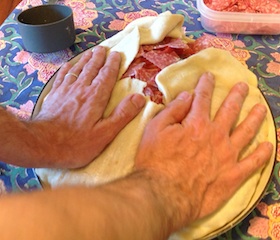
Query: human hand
[(192, 161), (71, 118)]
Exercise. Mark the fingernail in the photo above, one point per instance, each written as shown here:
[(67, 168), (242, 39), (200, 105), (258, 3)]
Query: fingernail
[(184, 96), (268, 145), (138, 100), (97, 47), (243, 86), (209, 75)]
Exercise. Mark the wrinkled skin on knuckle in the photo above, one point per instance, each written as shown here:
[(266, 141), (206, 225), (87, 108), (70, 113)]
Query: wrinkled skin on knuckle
[(204, 93), (80, 99), (198, 129), (122, 114), (107, 71), (97, 88), (232, 108), (248, 131), (256, 159)]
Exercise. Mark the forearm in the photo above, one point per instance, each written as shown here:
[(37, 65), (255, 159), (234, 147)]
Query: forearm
[(6, 8), (126, 209), (33, 143), (18, 144)]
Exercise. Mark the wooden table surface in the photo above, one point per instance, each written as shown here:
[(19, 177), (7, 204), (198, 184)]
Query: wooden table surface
[(6, 7)]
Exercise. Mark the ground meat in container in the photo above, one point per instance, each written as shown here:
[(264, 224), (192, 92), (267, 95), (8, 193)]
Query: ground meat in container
[(250, 6)]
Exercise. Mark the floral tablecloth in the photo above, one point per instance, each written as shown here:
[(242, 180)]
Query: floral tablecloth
[(23, 75)]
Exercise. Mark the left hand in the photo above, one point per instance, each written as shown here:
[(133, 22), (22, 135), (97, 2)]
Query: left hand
[(71, 119)]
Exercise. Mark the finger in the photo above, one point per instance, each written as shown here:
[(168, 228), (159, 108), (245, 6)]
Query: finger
[(74, 72), (175, 111), (247, 130), (102, 86), (93, 66), (249, 165), (61, 74), (231, 180), (229, 111), (109, 72), (123, 114), (202, 97)]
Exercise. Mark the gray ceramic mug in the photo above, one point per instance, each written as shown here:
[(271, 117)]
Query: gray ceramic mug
[(47, 28)]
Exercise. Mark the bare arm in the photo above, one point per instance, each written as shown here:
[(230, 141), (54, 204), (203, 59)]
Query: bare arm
[(69, 130), (161, 196), (125, 210), (7, 6)]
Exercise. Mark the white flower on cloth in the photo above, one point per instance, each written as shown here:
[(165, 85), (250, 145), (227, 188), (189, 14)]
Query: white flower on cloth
[(24, 112)]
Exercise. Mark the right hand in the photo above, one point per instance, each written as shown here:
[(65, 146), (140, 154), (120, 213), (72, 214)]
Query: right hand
[(192, 161)]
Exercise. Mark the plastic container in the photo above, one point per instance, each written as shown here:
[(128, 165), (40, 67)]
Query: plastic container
[(237, 22)]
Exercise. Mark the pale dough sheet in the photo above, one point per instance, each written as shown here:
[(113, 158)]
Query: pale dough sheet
[(118, 158)]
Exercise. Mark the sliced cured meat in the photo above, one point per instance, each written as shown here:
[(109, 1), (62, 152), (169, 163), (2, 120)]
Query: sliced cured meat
[(162, 58), (153, 92), (152, 58)]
